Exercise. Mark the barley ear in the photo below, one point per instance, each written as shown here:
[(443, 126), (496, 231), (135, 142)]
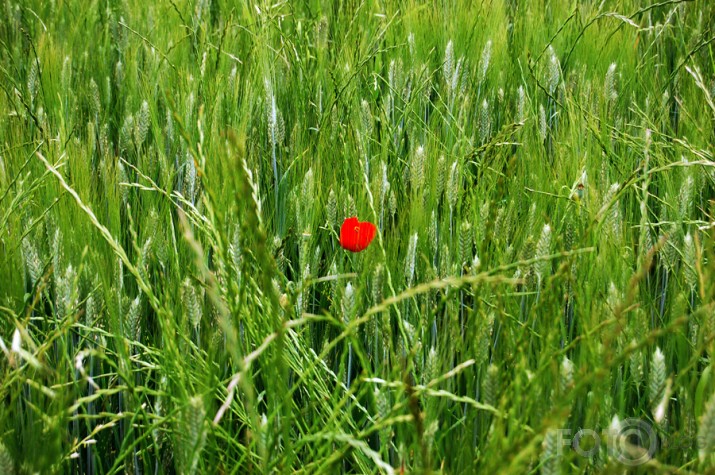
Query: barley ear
[(656, 378), (551, 453)]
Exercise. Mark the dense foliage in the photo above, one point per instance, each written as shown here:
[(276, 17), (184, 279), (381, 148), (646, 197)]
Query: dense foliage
[(174, 175)]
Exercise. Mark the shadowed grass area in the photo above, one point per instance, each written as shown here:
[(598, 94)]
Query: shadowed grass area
[(538, 298)]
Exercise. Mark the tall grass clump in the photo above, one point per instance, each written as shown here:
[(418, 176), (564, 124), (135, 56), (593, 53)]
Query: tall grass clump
[(174, 297)]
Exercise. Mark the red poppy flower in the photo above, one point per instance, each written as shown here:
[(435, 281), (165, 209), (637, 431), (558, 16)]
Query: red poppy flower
[(356, 236)]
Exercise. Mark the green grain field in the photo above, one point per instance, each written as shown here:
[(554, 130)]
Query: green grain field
[(539, 297)]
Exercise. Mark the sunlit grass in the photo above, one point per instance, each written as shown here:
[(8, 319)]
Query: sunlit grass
[(174, 296)]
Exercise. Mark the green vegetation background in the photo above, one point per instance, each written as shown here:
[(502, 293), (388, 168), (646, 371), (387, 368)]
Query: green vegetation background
[(173, 177)]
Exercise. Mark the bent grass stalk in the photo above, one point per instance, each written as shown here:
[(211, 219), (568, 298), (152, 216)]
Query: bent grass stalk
[(220, 333)]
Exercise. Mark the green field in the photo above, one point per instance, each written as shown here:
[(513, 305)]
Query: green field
[(539, 297)]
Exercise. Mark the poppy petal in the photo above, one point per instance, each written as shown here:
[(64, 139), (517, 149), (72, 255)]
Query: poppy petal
[(355, 236)]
